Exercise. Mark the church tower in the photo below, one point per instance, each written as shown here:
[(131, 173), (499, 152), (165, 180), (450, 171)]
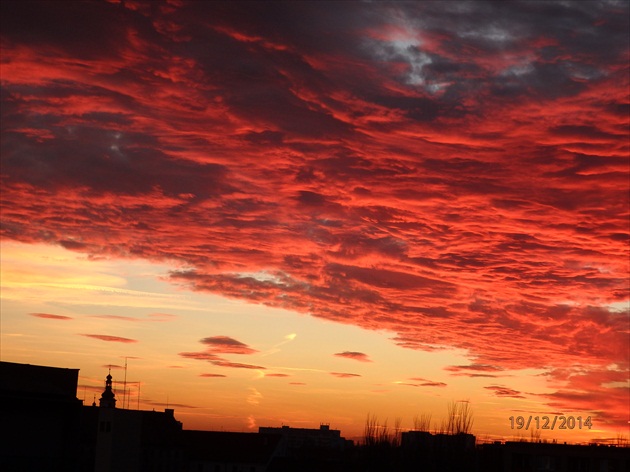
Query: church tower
[(108, 397)]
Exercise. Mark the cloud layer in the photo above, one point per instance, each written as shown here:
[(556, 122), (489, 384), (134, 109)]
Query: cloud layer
[(453, 172)]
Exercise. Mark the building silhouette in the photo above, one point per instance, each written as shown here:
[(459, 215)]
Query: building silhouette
[(40, 418), (521, 456), (129, 440), (294, 440), (218, 451), (46, 428)]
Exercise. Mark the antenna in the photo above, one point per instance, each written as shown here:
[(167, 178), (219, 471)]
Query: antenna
[(139, 394), (125, 384)]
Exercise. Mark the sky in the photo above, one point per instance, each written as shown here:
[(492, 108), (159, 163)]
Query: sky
[(310, 212)]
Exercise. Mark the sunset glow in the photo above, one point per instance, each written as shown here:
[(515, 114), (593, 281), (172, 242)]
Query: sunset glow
[(308, 212)]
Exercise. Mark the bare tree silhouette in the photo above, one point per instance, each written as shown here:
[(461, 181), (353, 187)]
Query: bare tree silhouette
[(459, 418), (422, 422), (396, 435), (534, 435), (621, 440)]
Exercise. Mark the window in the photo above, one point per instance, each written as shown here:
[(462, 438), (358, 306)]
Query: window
[(105, 426)]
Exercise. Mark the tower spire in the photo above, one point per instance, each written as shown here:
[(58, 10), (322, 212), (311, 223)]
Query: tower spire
[(108, 397)]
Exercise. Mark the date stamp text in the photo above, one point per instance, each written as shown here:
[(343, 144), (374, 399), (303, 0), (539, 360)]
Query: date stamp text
[(550, 422)]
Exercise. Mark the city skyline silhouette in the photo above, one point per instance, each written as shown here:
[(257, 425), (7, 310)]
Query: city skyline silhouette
[(260, 214)]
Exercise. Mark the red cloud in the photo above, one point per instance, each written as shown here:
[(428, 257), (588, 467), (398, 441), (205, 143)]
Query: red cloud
[(50, 316), (222, 345), (227, 345), (201, 356), (420, 382), (604, 392), (471, 201), (212, 375), (473, 369), (358, 356), (504, 391), (343, 375), (105, 337), (277, 375), (433, 384)]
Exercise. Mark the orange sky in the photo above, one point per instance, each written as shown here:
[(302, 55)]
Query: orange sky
[(296, 213)]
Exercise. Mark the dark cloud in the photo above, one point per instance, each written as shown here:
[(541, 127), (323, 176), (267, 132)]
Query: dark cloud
[(344, 375), (504, 391), (201, 356), (420, 382), (357, 356), (106, 337), (222, 345), (226, 345)]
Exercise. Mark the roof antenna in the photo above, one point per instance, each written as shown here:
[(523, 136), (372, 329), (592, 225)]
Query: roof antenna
[(125, 385)]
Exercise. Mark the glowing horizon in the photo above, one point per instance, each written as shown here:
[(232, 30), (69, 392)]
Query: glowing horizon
[(301, 213)]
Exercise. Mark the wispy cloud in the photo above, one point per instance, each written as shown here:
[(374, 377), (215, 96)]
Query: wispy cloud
[(200, 356), (106, 337), (357, 356), (223, 345), (420, 382), (154, 317), (254, 397), (51, 316), (237, 365), (501, 391), (227, 345), (276, 348), (344, 375)]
